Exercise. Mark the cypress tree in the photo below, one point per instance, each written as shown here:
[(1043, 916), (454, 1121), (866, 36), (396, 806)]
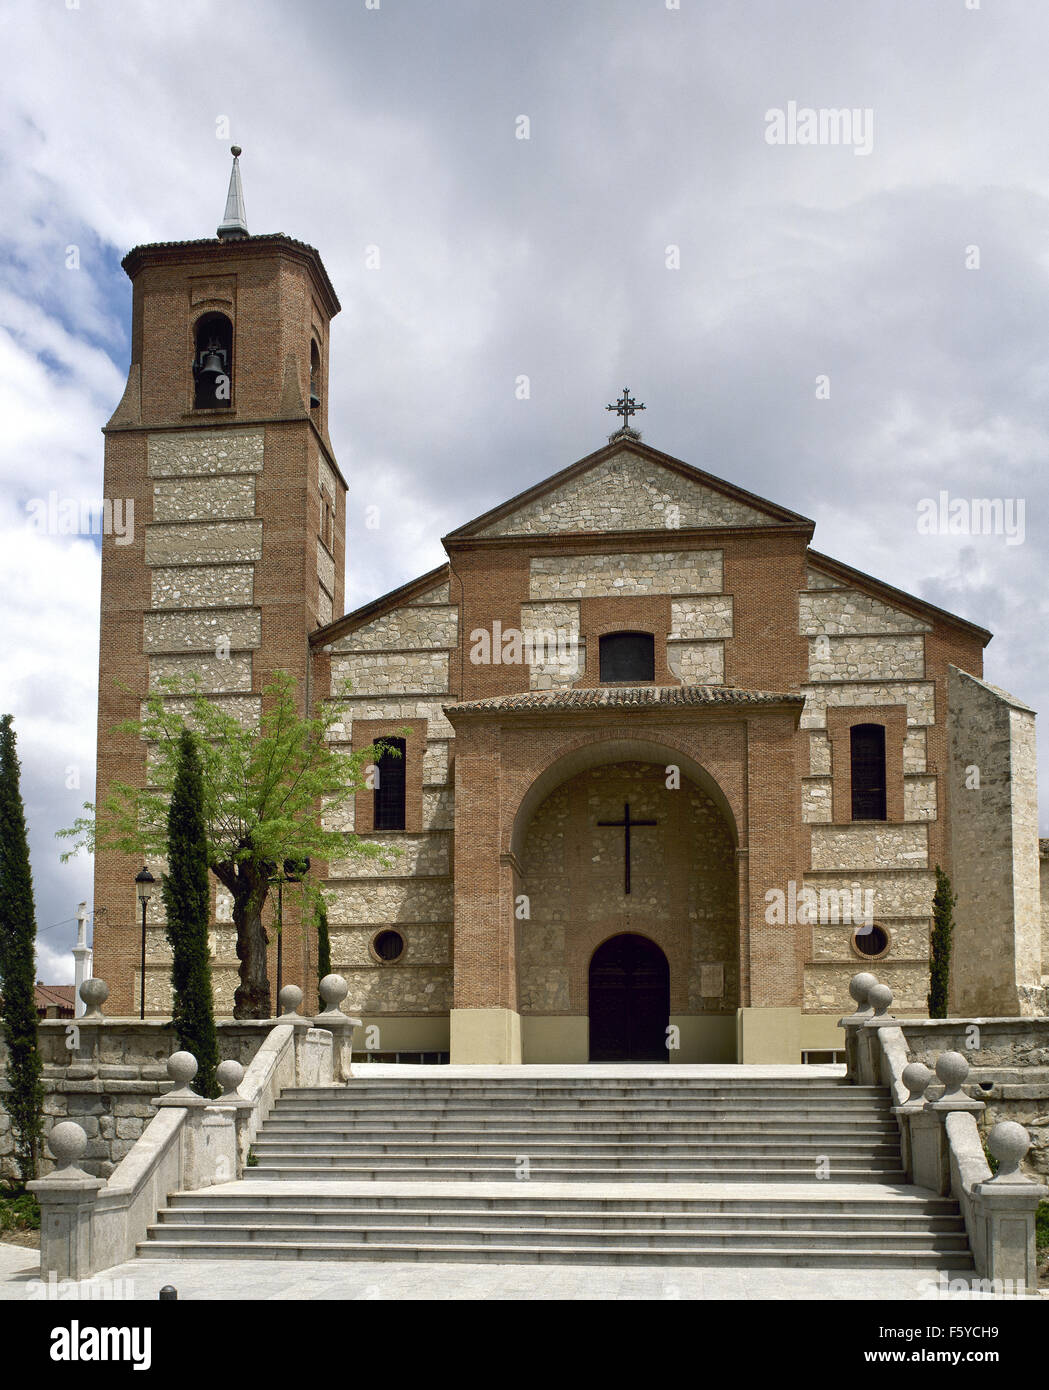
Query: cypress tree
[(323, 946), (186, 904), (25, 1099), (940, 945)]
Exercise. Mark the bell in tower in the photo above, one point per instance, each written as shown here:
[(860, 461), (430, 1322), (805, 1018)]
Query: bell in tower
[(212, 365)]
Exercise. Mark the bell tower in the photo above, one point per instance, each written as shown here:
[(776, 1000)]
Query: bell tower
[(220, 445)]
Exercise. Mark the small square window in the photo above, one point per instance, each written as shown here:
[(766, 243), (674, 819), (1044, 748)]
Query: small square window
[(627, 656)]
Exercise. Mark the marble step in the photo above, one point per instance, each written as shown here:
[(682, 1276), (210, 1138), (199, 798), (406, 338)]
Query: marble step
[(850, 1224), (714, 1146), (609, 1237), (363, 1170), (801, 1255)]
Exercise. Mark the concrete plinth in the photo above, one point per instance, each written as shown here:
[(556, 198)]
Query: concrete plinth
[(486, 1036)]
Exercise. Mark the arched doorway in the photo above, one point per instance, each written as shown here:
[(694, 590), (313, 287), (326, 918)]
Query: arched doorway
[(629, 1001)]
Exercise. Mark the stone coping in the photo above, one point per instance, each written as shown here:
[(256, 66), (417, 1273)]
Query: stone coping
[(1018, 1021)]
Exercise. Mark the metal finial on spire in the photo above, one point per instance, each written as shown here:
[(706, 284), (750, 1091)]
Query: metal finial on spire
[(234, 225)]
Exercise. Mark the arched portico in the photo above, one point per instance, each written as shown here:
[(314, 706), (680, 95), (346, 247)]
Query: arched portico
[(601, 752), (732, 751), (617, 849)]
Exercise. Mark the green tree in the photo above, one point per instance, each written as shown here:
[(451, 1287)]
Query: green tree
[(323, 944), (940, 945), (185, 888), (264, 789), (25, 1099)]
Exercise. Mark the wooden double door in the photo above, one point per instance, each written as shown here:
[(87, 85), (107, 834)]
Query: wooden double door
[(629, 1001)]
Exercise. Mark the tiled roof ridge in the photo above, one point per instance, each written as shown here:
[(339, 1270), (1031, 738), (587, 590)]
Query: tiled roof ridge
[(641, 696)]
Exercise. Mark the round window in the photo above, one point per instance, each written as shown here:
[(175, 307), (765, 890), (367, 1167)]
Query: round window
[(388, 946), (871, 942)]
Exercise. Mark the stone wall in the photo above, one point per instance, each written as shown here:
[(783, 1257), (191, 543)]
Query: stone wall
[(697, 663), (918, 696), (866, 846), (994, 841), (866, 658), (400, 653), (683, 894), (381, 673), (1009, 1071), (627, 493), (621, 575), (847, 611)]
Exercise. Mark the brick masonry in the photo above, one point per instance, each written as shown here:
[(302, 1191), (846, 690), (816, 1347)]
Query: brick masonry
[(236, 548)]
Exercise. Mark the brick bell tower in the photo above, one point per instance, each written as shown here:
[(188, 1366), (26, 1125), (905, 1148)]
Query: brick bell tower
[(220, 443)]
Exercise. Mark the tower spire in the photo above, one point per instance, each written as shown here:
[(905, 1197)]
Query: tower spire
[(234, 225)]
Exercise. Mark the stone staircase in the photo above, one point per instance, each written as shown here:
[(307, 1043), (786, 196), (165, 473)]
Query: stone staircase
[(591, 1169)]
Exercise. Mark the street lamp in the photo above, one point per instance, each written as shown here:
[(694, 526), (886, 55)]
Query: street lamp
[(294, 871), (144, 882)]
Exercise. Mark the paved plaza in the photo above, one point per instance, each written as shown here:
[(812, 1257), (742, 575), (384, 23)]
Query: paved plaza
[(279, 1280)]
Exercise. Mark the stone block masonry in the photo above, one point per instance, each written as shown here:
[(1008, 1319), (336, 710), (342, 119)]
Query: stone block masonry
[(615, 496), (203, 586), (205, 453), (204, 499), (618, 576), (200, 543), (847, 611), (994, 841)]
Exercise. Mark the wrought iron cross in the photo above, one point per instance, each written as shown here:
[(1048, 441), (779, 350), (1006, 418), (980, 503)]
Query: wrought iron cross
[(627, 823), (626, 406)]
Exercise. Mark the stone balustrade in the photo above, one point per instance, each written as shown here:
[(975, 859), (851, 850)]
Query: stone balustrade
[(105, 1073), (940, 1138), (89, 1223)]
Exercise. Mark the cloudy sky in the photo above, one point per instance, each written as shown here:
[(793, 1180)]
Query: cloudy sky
[(909, 267)]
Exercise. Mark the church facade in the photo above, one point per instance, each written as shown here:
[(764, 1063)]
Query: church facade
[(669, 776)]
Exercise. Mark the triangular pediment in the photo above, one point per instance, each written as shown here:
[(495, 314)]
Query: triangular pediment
[(628, 487)]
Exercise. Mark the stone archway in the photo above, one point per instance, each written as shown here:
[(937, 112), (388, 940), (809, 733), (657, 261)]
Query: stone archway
[(625, 849)]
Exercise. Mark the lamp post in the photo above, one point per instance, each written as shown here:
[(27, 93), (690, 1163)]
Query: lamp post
[(144, 882), (293, 871)]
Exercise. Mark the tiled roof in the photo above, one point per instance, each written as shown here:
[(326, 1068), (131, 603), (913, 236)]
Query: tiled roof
[(625, 696), (218, 242), (231, 248), (50, 996)]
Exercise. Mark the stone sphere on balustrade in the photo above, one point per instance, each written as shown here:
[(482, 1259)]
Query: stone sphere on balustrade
[(68, 1142), (94, 993), (182, 1068), (333, 990), (916, 1077), (289, 999), (860, 986), (229, 1075), (952, 1069), (879, 997), (1008, 1141)]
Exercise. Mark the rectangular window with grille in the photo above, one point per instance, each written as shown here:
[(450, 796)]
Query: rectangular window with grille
[(867, 748), (388, 811)]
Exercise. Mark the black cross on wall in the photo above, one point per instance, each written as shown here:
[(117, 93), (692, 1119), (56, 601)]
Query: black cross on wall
[(627, 825)]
